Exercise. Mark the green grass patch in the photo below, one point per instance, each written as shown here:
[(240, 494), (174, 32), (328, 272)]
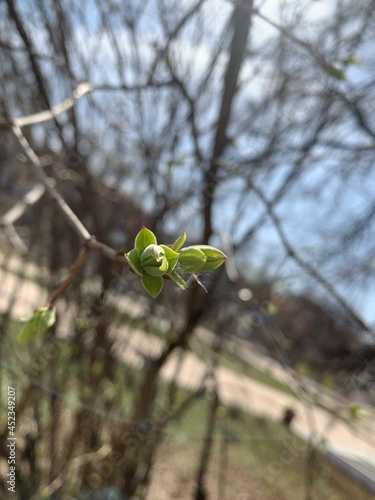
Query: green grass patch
[(251, 457)]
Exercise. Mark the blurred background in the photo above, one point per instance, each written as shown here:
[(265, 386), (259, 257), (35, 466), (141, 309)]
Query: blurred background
[(249, 126)]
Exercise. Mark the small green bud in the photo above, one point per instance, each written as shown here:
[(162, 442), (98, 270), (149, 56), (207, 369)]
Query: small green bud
[(134, 261), (42, 319), (144, 238), (152, 256), (154, 261), (179, 242), (214, 257), (171, 256), (152, 284), (191, 259)]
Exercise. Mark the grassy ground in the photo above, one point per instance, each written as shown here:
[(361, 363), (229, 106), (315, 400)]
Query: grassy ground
[(251, 458)]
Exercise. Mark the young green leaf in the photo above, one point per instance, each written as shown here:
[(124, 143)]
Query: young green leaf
[(171, 256), (214, 257), (179, 242), (152, 284), (159, 269), (152, 256), (42, 319), (191, 259), (144, 238), (134, 262)]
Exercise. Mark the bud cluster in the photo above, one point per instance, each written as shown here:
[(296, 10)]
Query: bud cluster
[(153, 262)]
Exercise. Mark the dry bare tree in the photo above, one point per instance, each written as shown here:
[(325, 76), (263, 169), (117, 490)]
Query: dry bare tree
[(218, 117)]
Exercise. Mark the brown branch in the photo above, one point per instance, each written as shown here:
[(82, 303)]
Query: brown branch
[(322, 62), (14, 239), (192, 114), (30, 198), (76, 463), (50, 114), (357, 113), (13, 214), (54, 194), (34, 62), (241, 20), (82, 89), (135, 88), (295, 171), (291, 251), (70, 278), (68, 213), (48, 184), (200, 492), (163, 51)]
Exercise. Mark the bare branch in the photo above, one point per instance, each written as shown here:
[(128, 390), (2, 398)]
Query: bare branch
[(15, 239), (162, 52), (303, 263), (70, 278), (13, 214), (30, 198), (134, 88), (70, 216), (64, 207), (357, 113), (292, 252), (34, 62), (241, 20), (44, 116)]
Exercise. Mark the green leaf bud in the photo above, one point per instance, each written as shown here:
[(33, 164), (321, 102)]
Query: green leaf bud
[(191, 259), (144, 238), (171, 256), (153, 255), (157, 270), (214, 257), (179, 242), (152, 284), (42, 319), (134, 261)]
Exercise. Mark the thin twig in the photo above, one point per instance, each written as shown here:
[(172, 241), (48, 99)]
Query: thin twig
[(291, 250), (303, 263), (13, 214), (82, 89), (64, 207), (89, 241), (152, 84), (77, 462), (70, 278), (15, 239), (30, 198), (107, 251), (49, 114), (71, 217)]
